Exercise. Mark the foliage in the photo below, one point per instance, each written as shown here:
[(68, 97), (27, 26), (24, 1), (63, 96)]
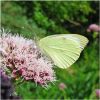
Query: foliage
[(41, 18), (53, 17)]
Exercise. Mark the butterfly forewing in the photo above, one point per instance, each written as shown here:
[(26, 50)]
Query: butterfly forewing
[(64, 50)]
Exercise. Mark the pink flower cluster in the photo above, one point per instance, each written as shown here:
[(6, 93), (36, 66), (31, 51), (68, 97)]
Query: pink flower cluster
[(24, 59), (62, 86), (93, 28), (98, 93)]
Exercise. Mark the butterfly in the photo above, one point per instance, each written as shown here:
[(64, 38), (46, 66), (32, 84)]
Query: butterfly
[(63, 49)]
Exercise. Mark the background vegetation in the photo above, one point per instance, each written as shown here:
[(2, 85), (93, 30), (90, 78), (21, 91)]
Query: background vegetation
[(42, 18)]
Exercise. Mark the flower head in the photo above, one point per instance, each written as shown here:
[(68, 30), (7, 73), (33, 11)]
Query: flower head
[(7, 88), (23, 58), (98, 93), (94, 28), (62, 86)]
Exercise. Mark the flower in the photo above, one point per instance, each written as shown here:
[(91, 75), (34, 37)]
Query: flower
[(7, 88), (94, 28), (62, 86), (23, 57), (98, 93)]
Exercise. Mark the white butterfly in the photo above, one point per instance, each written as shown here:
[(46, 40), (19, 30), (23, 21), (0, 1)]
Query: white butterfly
[(63, 49)]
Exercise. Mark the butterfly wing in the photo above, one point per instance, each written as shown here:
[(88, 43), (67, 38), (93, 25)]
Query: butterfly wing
[(63, 49)]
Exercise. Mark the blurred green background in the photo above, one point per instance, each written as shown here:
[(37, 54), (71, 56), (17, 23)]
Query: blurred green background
[(58, 17)]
